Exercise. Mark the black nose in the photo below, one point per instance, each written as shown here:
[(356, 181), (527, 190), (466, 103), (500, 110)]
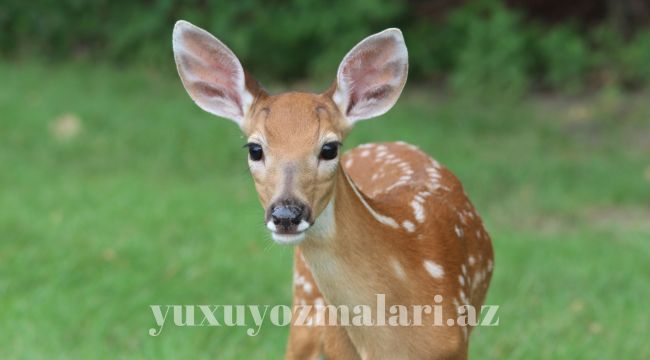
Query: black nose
[(286, 215)]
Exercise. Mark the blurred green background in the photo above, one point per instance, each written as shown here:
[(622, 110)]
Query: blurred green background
[(117, 192)]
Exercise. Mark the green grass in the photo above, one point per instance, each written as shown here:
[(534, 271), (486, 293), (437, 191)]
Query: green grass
[(151, 203)]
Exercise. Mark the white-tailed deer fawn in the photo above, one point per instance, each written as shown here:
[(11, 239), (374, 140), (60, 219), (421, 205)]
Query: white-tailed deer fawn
[(381, 219)]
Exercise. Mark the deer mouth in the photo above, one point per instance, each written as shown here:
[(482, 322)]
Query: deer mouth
[(288, 237)]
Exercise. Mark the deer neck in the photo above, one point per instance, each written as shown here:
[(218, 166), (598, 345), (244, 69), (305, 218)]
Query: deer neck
[(343, 248)]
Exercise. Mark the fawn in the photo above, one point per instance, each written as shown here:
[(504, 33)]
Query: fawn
[(381, 219)]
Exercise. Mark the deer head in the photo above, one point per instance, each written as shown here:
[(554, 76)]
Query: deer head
[(293, 139)]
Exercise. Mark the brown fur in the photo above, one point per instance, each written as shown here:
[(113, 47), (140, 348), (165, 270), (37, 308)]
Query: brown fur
[(292, 126)]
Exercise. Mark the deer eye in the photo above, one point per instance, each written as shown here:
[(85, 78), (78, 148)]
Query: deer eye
[(329, 151), (255, 151)]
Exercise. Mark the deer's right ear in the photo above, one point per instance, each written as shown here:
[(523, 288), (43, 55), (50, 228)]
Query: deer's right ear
[(212, 74)]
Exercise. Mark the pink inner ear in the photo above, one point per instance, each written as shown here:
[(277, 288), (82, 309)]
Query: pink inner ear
[(372, 75), (378, 92), (210, 90), (227, 76), (211, 74), (359, 73)]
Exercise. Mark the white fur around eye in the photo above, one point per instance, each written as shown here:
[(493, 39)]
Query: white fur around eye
[(259, 168), (256, 166), (328, 166)]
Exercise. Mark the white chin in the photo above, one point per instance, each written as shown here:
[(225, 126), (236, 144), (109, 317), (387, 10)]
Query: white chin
[(288, 239)]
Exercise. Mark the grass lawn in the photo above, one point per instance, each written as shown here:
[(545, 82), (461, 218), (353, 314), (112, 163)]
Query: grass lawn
[(117, 192)]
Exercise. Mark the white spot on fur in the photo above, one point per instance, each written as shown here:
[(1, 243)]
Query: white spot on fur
[(409, 226), (348, 162), (478, 279), (422, 196), (365, 153), (434, 269), (471, 261), (434, 178), (298, 279), (397, 268), (307, 287), (433, 172), (459, 231), (461, 280), (418, 211), (399, 183), (463, 297)]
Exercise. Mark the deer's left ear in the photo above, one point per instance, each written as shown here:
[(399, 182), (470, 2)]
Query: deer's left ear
[(371, 76)]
